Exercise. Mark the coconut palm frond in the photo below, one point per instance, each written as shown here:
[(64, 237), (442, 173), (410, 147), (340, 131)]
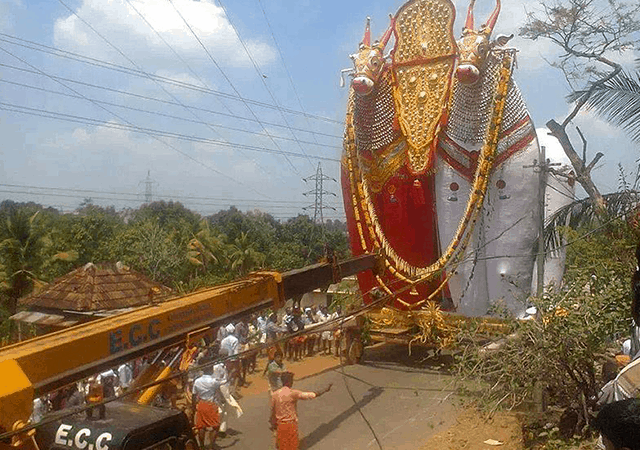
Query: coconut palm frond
[(618, 101), (582, 212)]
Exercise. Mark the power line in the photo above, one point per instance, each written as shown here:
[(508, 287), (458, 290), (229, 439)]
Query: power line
[(154, 99), (157, 113), (293, 208), (261, 77), (183, 84), (176, 99), (284, 64), (199, 79), (224, 75), (170, 197), (124, 120), (153, 133)]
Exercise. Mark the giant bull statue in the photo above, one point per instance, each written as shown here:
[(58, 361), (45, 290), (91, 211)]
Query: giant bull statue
[(437, 170)]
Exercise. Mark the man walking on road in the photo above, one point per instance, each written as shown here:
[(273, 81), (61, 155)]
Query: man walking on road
[(284, 411), (206, 395)]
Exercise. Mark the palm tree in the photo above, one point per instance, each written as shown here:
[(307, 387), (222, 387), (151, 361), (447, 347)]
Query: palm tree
[(618, 101), (621, 205), (205, 248), (21, 253), (244, 257)]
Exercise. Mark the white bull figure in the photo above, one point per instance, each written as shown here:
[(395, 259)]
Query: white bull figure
[(438, 171)]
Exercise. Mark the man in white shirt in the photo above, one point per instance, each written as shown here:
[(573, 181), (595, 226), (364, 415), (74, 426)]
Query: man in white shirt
[(226, 401), (125, 375), (230, 345), (261, 324), (207, 397), (39, 410)]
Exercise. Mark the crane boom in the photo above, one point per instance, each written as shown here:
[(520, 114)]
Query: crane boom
[(45, 363)]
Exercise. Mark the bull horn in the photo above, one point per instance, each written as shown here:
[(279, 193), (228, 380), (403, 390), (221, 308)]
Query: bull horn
[(493, 18), (387, 34), (468, 25), (366, 41)]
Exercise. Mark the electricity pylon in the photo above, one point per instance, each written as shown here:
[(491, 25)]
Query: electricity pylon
[(319, 192)]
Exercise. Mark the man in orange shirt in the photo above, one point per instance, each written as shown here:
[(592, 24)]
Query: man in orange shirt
[(284, 411)]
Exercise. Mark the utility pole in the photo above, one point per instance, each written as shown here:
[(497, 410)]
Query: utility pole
[(318, 193), (543, 168)]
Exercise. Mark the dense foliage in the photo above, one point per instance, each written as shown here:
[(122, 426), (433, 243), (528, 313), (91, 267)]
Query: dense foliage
[(561, 353), (163, 240)]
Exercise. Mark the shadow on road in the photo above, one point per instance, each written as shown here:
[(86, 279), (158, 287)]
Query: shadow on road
[(398, 388), (323, 430), (397, 354)]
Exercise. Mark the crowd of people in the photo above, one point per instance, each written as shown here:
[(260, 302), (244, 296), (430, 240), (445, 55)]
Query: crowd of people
[(215, 391), (216, 368), (219, 365)]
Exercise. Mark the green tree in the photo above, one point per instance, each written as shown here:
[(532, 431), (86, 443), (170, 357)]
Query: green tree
[(20, 251), (90, 233), (205, 249), (618, 101), (244, 256), (169, 215), (155, 252), (560, 353)]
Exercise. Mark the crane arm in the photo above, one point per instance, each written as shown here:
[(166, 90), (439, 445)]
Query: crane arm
[(45, 363)]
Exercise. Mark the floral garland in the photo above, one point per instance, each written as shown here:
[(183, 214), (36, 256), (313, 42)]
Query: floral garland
[(453, 254)]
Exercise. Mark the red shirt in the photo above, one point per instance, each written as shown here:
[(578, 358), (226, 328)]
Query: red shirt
[(284, 402)]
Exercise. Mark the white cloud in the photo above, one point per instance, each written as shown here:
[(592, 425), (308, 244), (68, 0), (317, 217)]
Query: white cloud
[(7, 15), (627, 59), (118, 22), (108, 144)]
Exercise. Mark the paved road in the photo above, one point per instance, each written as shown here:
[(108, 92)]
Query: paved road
[(404, 399)]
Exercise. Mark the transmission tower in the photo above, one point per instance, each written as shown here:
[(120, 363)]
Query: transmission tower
[(318, 206), (148, 187)]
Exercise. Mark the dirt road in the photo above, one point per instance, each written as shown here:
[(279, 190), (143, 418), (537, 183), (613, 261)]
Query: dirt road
[(390, 401)]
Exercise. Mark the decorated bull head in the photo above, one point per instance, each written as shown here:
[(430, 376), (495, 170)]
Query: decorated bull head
[(475, 45), (369, 61)]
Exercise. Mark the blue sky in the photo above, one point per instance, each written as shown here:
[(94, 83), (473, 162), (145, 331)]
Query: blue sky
[(126, 88)]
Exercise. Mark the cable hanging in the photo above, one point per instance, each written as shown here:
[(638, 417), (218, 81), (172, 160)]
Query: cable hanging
[(154, 99), (228, 80), (259, 72), (156, 113), (149, 132), (183, 84), (155, 137)]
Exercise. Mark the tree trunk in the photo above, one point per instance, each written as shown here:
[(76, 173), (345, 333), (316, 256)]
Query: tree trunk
[(583, 173)]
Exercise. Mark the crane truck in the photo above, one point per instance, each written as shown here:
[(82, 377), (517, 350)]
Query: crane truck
[(43, 364)]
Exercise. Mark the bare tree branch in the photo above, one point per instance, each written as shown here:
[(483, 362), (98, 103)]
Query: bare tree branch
[(584, 145)]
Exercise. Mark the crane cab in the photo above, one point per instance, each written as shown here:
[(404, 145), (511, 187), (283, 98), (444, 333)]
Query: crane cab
[(126, 426)]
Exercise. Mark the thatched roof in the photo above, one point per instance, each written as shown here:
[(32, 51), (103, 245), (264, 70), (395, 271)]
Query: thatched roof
[(96, 288)]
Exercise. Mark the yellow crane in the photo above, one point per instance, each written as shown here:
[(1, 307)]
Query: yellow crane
[(40, 365)]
